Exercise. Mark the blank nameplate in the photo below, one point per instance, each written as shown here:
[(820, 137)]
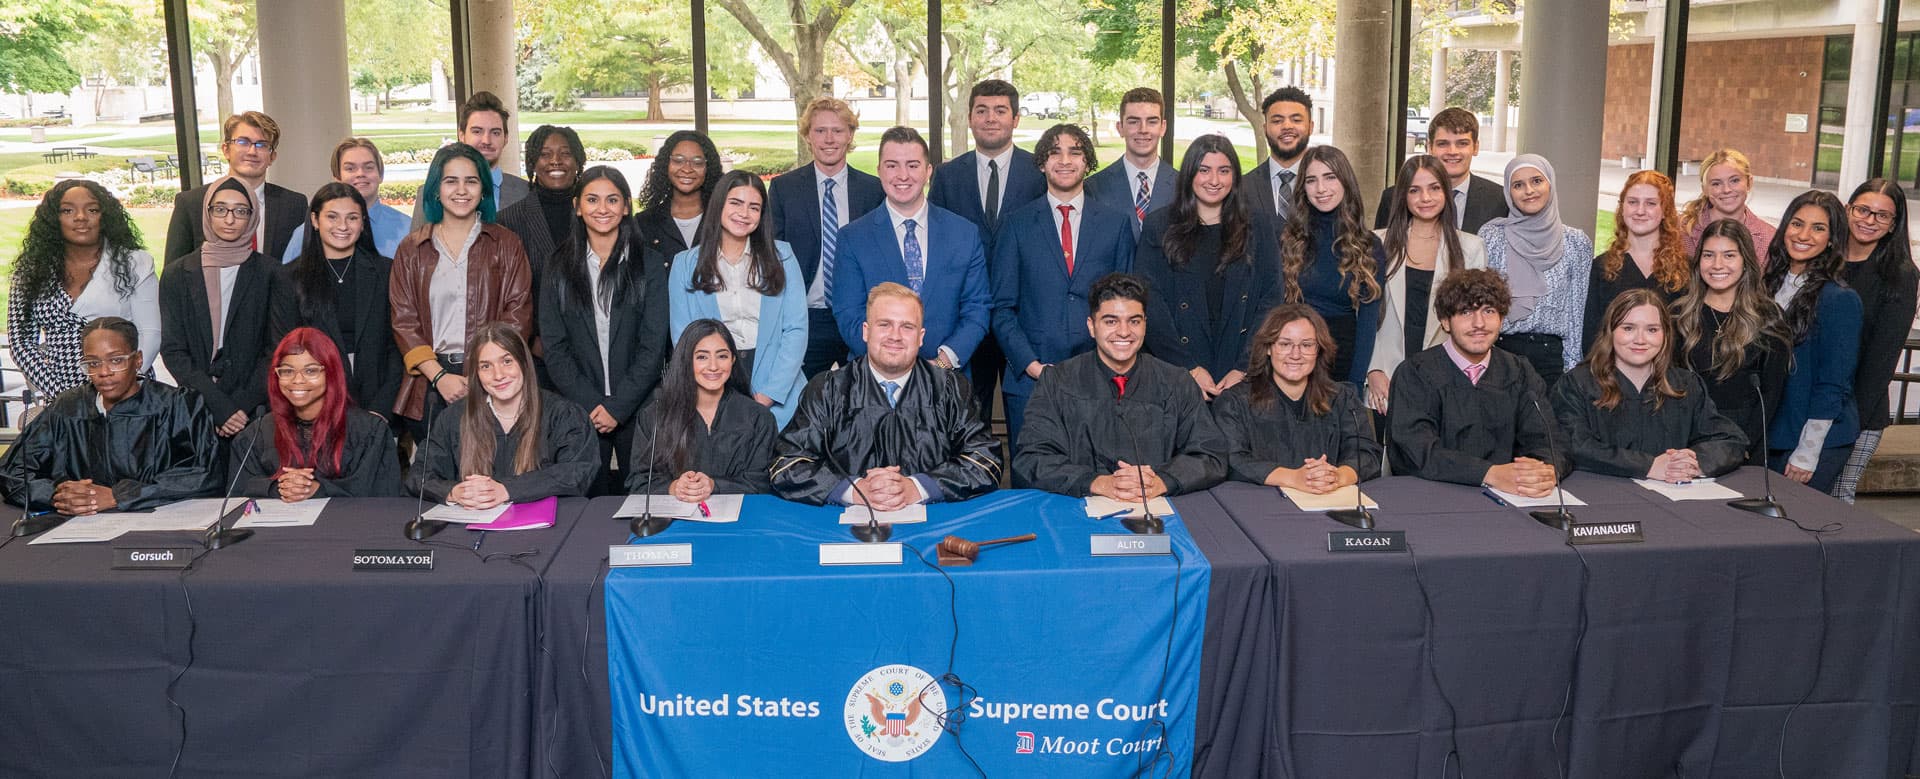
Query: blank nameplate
[(393, 559), (860, 554), (136, 558), (1366, 540), (1605, 533), (1105, 545), (635, 555)]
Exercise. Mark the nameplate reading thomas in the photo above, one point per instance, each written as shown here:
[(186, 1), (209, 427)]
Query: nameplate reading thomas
[(1605, 533), (635, 555), (1108, 545), (1366, 540), (147, 558), (393, 559)]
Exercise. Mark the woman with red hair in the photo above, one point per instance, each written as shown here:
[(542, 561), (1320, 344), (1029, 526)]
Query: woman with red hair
[(316, 443), (1647, 251)]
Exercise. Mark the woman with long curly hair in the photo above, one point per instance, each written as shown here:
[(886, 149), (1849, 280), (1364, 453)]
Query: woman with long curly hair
[(82, 259), (685, 169), (1629, 411), (1812, 431), (1331, 261), (1291, 423), (315, 442), (1730, 333), (1646, 252), (1880, 270)]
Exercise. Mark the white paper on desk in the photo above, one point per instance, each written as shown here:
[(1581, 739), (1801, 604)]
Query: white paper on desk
[(1102, 506), (857, 515), (196, 514), (1700, 489), (721, 508), (1519, 501), (1333, 501), (273, 512), (455, 514), (660, 505), (85, 530)]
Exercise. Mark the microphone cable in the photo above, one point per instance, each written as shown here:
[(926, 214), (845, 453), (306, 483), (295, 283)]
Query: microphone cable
[(1579, 640), (193, 630), (1820, 649), (1163, 752), (956, 714), (1433, 672)]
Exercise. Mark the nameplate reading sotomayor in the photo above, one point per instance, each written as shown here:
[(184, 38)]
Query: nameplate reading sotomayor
[(1110, 544), (1366, 540), (1605, 533), (147, 558), (639, 555), (860, 554), (393, 559)]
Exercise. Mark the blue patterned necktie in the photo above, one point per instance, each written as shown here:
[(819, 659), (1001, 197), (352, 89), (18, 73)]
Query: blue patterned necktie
[(893, 392), (829, 239), (1141, 198), (916, 265)]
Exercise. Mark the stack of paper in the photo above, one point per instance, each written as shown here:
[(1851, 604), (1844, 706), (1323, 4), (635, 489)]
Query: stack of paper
[(194, 515), (1333, 501), (1100, 506), (455, 514), (1519, 501), (268, 512), (1698, 489), (720, 508)]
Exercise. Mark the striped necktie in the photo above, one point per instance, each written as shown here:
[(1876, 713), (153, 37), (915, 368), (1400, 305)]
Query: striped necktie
[(829, 239), (1142, 197)]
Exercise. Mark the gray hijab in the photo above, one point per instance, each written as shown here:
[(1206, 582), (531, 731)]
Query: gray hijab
[(1535, 242)]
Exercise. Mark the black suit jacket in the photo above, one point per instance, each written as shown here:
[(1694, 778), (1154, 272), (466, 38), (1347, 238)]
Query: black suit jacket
[(956, 188), (1486, 201), (795, 210), (373, 378), (286, 210), (659, 237), (1180, 327), (637, 344), (234, 379)]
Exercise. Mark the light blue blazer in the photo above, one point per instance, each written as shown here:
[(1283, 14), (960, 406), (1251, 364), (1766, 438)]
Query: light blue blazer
[(783, 327)]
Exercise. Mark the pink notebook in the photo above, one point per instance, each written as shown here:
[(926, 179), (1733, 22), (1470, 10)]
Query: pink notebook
[(523, 516)]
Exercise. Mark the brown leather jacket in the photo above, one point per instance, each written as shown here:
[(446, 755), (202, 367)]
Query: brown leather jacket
[(499, 288)]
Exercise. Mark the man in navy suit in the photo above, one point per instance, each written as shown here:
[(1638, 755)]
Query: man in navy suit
[(923, 247), (1142, 182), (1051, 250), (808, 208), (1288, 113), (983, 186), (1453, 135)]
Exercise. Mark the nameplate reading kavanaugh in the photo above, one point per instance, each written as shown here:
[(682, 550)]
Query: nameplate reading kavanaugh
[(860, 554), (1366, 540), (148, 558), (1130, 545), (1627, 532), (641, 555), (393, 559)]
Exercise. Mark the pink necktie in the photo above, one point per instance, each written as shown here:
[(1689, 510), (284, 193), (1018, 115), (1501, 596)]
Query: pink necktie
[(1473, 373)]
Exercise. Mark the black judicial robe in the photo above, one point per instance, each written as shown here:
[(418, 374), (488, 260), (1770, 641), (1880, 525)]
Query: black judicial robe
[(1442, 427), (735, 452), (1625, 440), (569, 453), (1288, 433), (369, 462), (843, 427), (152, 449), (1078, 428)]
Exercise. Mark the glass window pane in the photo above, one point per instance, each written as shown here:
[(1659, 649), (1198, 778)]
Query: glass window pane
[(399, 55), (1229, 56)]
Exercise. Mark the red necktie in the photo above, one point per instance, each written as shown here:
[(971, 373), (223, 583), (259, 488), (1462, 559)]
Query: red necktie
[(1121, 382), (1066, 237)]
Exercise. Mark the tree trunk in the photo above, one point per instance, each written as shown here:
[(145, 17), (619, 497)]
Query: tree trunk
[(1245, 105), (902, 87), (653, 98), (223, 64)]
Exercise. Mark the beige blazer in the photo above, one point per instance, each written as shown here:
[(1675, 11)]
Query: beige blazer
[(1389, 344)]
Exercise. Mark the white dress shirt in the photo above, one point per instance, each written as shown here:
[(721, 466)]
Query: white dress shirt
[(602, 321), (1079, 203), (981, 169), (739, 303), (817, 292)]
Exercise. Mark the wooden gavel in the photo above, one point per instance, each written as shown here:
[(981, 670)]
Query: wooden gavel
[(957, 551)]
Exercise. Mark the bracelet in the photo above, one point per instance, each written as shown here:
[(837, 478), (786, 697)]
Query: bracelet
[(437, 377)]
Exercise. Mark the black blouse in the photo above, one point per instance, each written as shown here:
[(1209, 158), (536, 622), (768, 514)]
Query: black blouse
[(1419, 292), (1734, 395), (734, 452)]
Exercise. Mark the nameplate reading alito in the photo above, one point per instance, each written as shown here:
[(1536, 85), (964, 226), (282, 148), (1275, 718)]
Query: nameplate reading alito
[(1605, 533), (639, 555), (1113, 544), (147, 558), (1366, 540), (393, 559)]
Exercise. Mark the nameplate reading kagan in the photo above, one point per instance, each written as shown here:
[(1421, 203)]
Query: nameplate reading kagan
[(633, 555), (1106, 545), (1605, 533), (138, 558), (1366, 540), (393, 559)]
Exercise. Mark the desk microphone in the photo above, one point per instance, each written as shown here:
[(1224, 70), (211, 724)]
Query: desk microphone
[(28, 524), (1558, 519), (647, 524), (1766, 506), (420, 528), (223, 535), (873, 532), (1358, 516), (1146, 523)]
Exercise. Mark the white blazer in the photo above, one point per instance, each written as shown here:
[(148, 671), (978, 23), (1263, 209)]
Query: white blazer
[(1389, 344)]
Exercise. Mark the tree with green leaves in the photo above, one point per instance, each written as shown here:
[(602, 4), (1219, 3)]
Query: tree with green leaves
[(34, 37), (224, 34), (389, 44), (612, 46), (796, 41)]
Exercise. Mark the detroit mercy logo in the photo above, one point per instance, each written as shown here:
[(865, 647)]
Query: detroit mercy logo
[(893, 712)]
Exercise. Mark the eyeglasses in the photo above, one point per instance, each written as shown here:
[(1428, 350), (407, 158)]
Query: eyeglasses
[(691, 162), (1864, 213), (118, 363), (241, 143), (309, 373), (1295, 347), (237, 212)]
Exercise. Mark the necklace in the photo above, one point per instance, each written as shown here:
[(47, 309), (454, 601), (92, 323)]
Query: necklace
[(506, 421), (340, 276)]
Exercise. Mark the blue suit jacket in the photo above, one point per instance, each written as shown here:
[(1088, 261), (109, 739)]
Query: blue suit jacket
[(1039, 313), (1821, 383), (1109, 185), (954, 295), (783, 327), (956, 188), (794, 210)]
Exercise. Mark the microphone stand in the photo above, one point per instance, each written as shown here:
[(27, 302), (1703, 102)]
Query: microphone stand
[(224, 536), (1558, 519), (420, 528), (1766, 506), (1146, 523), (1357, 517), (647, 524), (28, 524)]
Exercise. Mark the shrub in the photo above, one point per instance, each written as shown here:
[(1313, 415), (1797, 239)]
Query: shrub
[(26, 186), (399, 193)]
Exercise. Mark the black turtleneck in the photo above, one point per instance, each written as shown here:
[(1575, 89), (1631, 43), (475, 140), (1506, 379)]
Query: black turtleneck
[(557, 205)]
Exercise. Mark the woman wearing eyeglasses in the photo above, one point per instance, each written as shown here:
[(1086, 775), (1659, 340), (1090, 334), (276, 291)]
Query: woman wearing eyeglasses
[(118, 442), (316, 443), (1880, 269), (675, 196), (1293, 422), (213, 310)]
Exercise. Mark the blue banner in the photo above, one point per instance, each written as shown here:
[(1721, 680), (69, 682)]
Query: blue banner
[(758, 661)]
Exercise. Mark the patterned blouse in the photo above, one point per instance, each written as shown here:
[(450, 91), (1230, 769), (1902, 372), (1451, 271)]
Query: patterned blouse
[(1562, 311), (44, 334)]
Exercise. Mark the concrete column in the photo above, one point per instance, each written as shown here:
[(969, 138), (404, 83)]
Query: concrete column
[(1659, 33), (1502, 84), (1437, 77), (494, 58), (1861, 124), (1362, 42), (303, 74), (1565, 44)]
